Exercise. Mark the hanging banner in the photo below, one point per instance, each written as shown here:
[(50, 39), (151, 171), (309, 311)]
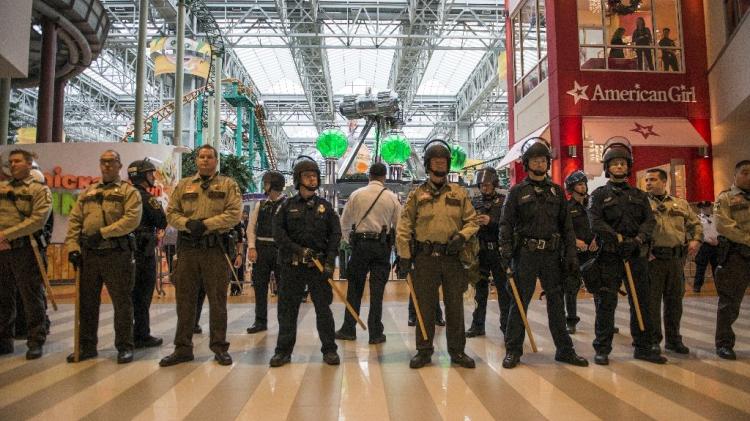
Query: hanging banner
[(163, 51)]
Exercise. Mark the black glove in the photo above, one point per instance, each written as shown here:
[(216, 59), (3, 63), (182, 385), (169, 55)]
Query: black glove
[(628, 247), (93, 240), (196, 227), (404, 267), (455, 244), (505, 258), (307, 255), (328, 269), (571, 267), (74, 257)]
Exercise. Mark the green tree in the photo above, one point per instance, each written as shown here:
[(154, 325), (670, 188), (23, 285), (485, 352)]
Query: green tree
[(236, 167)]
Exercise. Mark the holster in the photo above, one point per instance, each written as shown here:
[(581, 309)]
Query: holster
[(591, 274), (722, 251)]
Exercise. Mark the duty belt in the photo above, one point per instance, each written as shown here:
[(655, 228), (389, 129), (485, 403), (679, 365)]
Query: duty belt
[(206, 241), (367, 235), (19, 243), (666, 253), (540, 244), (124, 243), (430, 248), (488, 245), (265, 239)]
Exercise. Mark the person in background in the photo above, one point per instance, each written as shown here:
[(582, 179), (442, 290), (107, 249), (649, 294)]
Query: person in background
[(709, 251), (668, 57), (617, 40), (642, 37)]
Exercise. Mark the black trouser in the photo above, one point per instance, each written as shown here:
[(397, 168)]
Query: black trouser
[(291, 290), (572, 286), (143, 292), (706, 254), (370, 256), (605, 300), (113, 268), (267, 262), (169, 252), (731, 282), (667, 281), (430, 272), (19, 272), (489, 264), (413, 310), (645, 58), (198, 268), (528, 266)]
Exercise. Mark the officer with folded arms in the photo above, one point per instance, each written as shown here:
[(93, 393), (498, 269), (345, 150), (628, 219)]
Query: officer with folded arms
[(536, 235), (25, 206), (204, 208), (100, 245)]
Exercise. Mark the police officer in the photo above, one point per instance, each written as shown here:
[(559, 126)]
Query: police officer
[(617, 208), (368, 222), (436, 222), (262, 249), (100, 244), (577, 187), (489, 208), (732, 210), (536, 233), (306, 228), (678, 231), (204, 208), (141, 174), (25, 206)]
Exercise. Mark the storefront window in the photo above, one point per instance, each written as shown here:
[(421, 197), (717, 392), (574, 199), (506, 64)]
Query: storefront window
[(636, 35), (529, 46), (735, 11)]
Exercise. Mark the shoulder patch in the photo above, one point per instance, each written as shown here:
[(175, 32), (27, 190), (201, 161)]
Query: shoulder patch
[(154, 203)]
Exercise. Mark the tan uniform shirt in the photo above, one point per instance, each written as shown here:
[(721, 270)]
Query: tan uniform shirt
[(732, 211), (432, 214), (114, 209), (219, 205), (385, 212), (25, 206), (676, 223)]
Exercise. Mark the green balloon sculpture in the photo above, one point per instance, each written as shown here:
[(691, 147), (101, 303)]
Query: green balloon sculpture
[(458, 158), (396, 149), (332, 143)]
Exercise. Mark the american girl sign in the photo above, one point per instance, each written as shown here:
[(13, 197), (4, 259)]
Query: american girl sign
[(673, 94)]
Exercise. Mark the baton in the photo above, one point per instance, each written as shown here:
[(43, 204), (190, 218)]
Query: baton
[(43, 271), (341, 296), (521, 311), (77, 321), (633, 294), (416, 306)]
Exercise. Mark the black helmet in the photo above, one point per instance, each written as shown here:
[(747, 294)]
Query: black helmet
[(487, 175), (617, 147), (436, 148), (304, 163), (137, 170), (275, 179), (536, 146), (574, 178)]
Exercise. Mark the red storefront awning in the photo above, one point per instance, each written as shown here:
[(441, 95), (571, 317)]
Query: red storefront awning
[(643, 131)]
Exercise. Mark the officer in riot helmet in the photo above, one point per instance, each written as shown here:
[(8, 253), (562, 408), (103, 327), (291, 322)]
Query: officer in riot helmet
[(537, 241), (620, 210), (262, 250), (141, 174), (489, 207), (306, 229)]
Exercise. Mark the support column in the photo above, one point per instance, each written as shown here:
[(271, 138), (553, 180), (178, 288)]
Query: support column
[(179, 73), (4, 110), (45, 102), (58, 117), (140, 70), (218, 61), (238, 133)]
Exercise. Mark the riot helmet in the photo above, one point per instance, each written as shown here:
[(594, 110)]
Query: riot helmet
[(275, 181), (437, 148), (137, 171), (304, 163), (534, 147), (574, 178), (487, 175), (617, 147)]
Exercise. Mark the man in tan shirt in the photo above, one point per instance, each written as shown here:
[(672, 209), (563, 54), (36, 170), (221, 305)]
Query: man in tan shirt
[(678, 233), (25, 205), (204, 208), (100, 245), (732, 210)]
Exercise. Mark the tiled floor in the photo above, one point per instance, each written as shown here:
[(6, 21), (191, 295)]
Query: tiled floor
[(375, 382)]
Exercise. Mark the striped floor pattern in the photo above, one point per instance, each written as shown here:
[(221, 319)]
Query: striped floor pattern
[(375, 382)]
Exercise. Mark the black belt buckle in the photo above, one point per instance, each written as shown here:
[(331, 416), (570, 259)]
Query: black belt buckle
[(490, 246), (537, 244)]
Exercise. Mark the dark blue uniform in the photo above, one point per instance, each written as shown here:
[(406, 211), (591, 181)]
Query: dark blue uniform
[(582, 228), (301, 224)]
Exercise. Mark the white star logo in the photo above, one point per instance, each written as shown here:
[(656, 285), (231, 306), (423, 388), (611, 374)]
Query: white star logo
[(578, 92)]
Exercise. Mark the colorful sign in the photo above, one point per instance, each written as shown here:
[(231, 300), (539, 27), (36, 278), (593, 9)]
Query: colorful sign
[(197, 60)]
